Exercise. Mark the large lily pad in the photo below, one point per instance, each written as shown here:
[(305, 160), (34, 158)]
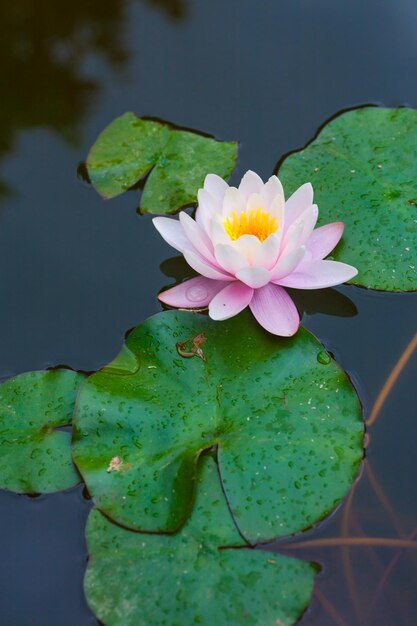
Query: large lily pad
[(284, 416), (35, 457), (130, 147), (154, 580), (363, 167)]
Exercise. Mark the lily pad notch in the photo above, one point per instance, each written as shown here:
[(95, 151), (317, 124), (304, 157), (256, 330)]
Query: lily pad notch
[(174, 160), (204, 574), (287, 424), (362, 165), (35, 454)]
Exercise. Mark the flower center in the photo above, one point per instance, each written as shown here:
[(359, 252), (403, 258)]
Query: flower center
[(254, 222)]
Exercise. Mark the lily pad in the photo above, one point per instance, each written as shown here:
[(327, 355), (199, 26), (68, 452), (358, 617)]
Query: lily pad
[(35, 457), (285, 418), (131, 147), (190, 578), (363, 167)]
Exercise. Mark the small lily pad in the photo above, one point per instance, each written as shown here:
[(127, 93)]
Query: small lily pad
[(363, 167), (287, 424), (35, 457), (194, 576), (131, 147)]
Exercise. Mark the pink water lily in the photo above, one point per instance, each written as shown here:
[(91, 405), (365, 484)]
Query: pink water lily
[(247, 244)]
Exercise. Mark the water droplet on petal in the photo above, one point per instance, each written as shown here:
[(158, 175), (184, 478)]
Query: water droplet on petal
[(196, 294)]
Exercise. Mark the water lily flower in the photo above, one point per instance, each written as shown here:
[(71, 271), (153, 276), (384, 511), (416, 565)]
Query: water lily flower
[(248, 244)]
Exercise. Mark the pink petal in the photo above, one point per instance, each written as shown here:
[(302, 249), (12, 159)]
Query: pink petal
[(250, 183), (216, 186), (301, 229), (292, 237), (230, 301), (287, 263), (298, 203), (197, 236), (206, 209), (271, 190), (322, 240), (172, 231), (309, 218), (254, 276), (266, 253), (229, 258), (217, 233), (204, 267), (275, 311), (233, 201), (254, 202), (276, 208), (318, 275), (194, 293), (247, 246)]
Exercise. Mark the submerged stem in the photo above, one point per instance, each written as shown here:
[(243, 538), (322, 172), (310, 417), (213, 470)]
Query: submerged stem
[(331, 542), (391, 380), (329, 608)]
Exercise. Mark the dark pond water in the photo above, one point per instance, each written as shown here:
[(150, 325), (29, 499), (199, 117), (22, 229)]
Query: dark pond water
[(77, 272)]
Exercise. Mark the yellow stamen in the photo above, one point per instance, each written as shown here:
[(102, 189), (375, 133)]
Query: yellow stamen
[(254, 222)]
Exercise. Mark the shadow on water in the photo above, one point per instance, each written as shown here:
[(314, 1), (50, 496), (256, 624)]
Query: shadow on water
[(324, 301), (45, 47)]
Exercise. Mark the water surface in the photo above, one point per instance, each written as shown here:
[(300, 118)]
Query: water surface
[(77, 272)]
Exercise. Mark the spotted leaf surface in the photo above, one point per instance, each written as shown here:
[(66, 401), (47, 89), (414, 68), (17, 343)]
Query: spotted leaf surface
[(124, 152), (187, 578), (130, 147), (35, 457), (284, 416), (363, 167)]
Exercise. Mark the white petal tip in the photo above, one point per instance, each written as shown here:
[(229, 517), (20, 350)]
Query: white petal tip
[(215, 317), (156, 221)]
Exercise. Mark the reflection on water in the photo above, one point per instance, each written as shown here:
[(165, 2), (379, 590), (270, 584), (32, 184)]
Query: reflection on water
[(176, 267), (57, 302), (324, 301), (43, 48), (176, 9)]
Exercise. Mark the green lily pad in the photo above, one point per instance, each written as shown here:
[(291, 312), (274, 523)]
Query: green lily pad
[(130, 147), (126, 150), (285, 418), (185, 578), (35, 457), (363, 167)]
